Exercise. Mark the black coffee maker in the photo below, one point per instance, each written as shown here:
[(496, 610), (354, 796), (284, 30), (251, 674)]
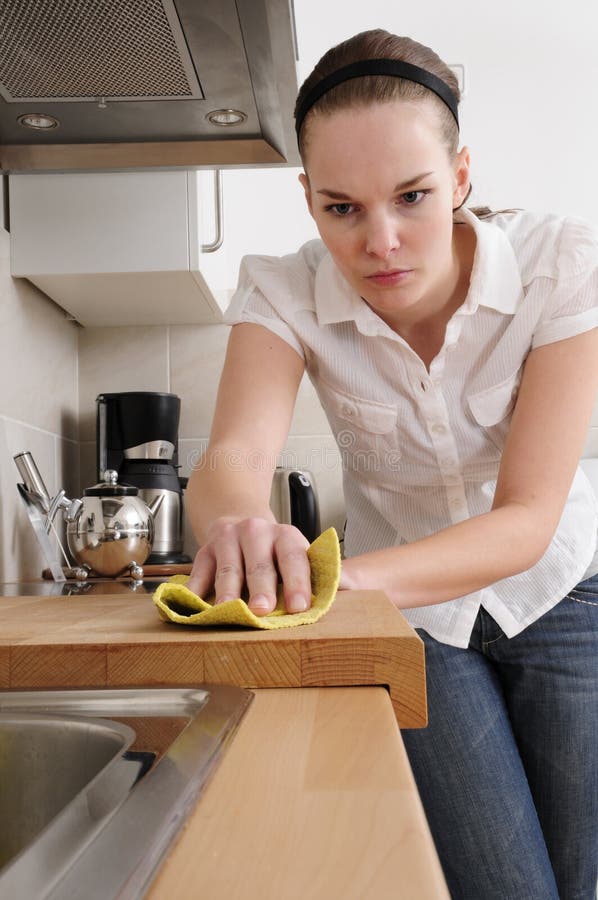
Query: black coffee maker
[(137, 435)]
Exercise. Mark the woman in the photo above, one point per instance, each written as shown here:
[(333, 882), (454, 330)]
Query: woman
[(457, 360)]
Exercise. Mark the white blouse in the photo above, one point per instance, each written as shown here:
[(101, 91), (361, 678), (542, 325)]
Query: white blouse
[(421, 450)]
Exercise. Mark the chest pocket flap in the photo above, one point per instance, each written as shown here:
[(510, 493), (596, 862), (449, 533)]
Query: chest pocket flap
[(495, 403), (376, 418)]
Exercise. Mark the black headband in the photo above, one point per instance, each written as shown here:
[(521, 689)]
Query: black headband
[(395, 67)]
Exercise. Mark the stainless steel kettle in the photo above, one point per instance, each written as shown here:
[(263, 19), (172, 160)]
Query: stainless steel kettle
[(111, 529)]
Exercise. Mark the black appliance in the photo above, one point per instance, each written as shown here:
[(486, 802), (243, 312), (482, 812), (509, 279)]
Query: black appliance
[(294, 500), (137, 435)]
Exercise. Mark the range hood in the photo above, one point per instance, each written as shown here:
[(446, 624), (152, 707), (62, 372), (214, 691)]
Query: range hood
[(144, 84)]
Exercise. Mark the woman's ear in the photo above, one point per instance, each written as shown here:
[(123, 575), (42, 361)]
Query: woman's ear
[(462, 187), (304, 181)]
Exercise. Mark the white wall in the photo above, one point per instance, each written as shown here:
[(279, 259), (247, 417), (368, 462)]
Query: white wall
[(528, 114)]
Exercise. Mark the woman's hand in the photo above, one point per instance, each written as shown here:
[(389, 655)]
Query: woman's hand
[(253, 553)]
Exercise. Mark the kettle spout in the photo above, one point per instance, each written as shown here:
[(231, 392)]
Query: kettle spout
[(155, 505)]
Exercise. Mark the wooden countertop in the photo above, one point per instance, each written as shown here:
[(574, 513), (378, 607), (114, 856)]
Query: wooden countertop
[(119, 640), (314, 800)]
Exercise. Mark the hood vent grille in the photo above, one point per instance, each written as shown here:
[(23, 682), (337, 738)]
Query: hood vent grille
[(74, 50)]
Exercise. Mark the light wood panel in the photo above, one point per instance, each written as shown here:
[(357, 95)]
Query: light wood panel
[(314, 800)]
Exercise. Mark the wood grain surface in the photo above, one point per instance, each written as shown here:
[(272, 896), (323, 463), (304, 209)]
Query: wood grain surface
[(313, 800), (118, 640)]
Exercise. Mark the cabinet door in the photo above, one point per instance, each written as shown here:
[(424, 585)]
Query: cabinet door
[(115, 248), (99, 222)]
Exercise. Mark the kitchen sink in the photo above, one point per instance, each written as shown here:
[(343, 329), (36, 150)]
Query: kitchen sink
[(95, 784), (45, 762)]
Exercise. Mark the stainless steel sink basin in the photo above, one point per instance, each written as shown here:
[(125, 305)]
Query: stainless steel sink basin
[(45, 761), (95, 784)]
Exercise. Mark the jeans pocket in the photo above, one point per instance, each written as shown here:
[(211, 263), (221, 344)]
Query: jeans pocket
[(585, 592)]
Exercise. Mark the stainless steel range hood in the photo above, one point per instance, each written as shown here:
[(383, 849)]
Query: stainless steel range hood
[(138, 83)]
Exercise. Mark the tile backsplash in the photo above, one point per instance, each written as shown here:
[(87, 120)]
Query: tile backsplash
[(52, 371), (187, 361), (38, 408)]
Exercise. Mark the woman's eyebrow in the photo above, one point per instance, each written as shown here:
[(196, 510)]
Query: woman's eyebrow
[(404, 185)]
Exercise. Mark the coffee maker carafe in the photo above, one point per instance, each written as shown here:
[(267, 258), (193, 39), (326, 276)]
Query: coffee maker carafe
[(137, 435)]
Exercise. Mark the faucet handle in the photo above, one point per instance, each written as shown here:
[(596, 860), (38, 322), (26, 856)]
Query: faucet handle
[(32, 480), (60, 501), (73, 508)]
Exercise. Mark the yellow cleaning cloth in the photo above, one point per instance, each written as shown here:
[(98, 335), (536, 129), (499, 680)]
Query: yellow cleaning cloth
[(178, 604)]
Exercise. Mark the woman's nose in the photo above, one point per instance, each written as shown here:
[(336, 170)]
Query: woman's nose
[(382, 237)]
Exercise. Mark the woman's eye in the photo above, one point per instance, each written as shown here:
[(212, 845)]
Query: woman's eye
[(411, 198), (341, 209)]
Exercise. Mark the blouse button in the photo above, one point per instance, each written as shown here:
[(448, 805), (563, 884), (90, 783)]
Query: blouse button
[(347, 410), (439, 428)]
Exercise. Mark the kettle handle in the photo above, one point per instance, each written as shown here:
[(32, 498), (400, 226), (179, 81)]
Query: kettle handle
[(304, 505)]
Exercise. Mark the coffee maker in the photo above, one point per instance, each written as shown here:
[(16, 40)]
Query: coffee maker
[(137, 435)]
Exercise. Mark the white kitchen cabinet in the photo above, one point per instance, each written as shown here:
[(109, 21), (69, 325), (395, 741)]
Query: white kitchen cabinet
[(120, 248)]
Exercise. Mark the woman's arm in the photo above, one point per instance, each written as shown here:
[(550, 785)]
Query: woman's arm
[(543, 447), (254, 405), (228, 497)]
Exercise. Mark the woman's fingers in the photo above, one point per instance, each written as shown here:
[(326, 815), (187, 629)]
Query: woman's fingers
[(229, 575), (218, 566), (255, 553), (293, 565), (202, 573), (257, 538)]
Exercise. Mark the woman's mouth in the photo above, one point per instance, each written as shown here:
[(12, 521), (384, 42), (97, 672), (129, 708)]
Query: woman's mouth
[(389, 277)]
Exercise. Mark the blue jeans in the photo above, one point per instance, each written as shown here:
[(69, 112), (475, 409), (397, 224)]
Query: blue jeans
[(507, 768)]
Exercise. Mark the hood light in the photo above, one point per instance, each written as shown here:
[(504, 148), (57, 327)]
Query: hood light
[(226, 117), (39, 121)]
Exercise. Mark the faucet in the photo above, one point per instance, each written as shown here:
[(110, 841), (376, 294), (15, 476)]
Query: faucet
[(41, 510)]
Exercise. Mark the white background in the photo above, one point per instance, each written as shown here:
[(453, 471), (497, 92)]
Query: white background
[(529, 115)]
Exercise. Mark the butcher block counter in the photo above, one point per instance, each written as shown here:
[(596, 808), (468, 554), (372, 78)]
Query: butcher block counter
[(314, 797), (314, 800), (119, 640)]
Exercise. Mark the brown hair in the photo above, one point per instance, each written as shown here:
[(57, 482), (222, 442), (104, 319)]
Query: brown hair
[(368, 89), (380, 44)]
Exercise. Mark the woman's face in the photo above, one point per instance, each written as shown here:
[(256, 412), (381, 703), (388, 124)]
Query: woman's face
[(381, 188)]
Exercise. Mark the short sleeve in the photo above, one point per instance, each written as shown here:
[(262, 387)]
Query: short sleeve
[(249, 304), (572, 306)]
